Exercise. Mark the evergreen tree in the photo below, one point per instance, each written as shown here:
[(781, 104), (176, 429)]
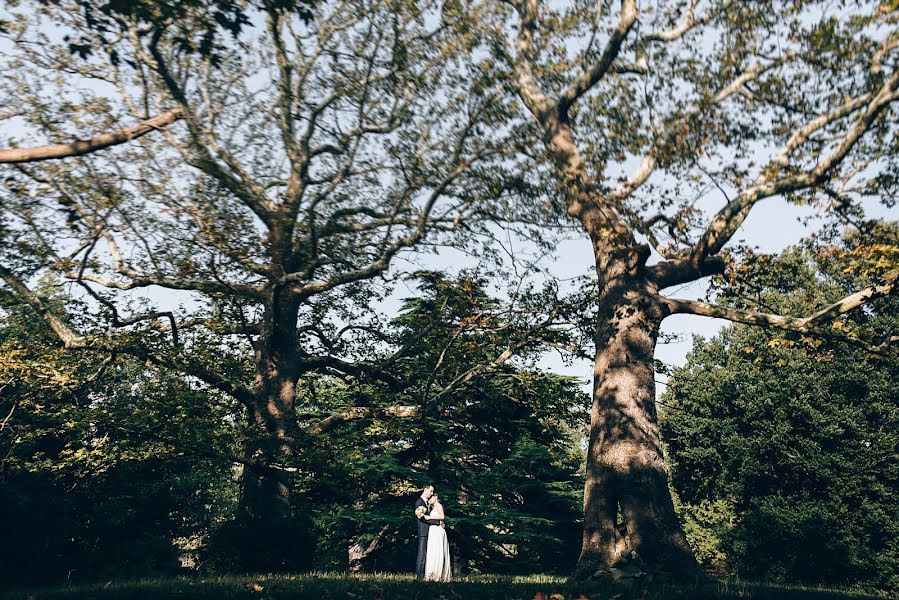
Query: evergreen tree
[(785, 448), (502, 448)]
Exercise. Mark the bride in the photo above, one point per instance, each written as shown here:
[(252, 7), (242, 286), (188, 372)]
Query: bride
[(437, 561)]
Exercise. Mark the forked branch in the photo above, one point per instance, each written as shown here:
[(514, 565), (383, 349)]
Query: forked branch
[(888, 285), (772, 181)]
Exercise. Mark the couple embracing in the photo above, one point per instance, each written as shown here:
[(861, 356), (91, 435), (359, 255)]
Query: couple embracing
[(433, 562)]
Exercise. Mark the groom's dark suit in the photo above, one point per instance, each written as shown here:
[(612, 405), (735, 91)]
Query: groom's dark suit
[(423, 525)]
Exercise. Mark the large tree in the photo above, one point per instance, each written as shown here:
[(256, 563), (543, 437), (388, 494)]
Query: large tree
[(291, 167), (664, 125)]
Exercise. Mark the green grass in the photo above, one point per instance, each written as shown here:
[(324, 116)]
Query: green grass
[(404, 587)]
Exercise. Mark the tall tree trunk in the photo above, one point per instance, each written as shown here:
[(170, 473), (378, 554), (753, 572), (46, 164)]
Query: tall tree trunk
[(626, 477), (265, 486)]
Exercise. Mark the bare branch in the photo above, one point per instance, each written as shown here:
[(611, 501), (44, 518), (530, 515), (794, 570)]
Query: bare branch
[(500, 360), (682, 270), (387, 253), (72, 340), (799, 324), (731, 216), (139, 280), (116, 320), (689, 22), (97, 142), (668, 136), (222, 328), (528, 87), (234, 179), (591, 76), (68, 336)]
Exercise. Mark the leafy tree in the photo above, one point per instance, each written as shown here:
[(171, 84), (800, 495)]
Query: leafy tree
[(299, 166), (664, 126), (502, 448), (105, 468), (134, 464), (784, 447)]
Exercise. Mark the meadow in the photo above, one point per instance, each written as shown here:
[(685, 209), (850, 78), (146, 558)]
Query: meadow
[(406, 587)]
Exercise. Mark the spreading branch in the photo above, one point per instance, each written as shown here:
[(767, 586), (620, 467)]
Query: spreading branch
[(773, 182), (231, 175), (107, 343), (97, 142), (356, 369), (69, 338), (592, 75), (526, 80), (668, 135), (888, 285)]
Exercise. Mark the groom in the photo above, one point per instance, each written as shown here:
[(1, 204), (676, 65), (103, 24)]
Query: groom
[(423, 525)]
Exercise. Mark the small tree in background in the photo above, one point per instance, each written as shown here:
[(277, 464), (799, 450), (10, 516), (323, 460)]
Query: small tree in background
[(499, 440)]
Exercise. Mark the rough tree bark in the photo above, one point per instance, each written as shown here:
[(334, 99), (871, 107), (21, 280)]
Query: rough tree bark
[(626, 473), (626, 477), (92, 144), (272, 420)]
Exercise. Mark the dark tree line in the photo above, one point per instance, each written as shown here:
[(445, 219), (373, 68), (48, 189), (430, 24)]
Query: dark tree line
[(784, 448)]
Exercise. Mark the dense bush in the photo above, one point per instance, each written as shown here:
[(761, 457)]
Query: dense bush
[(251, 546), (785, 447)]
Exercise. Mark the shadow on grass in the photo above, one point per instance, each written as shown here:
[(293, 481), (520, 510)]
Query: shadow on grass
[(405, 587)]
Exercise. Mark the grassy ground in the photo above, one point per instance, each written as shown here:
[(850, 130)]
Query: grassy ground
[(400, 587)]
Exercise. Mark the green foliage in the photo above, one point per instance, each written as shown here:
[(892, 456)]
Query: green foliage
[(131, 467), (706, 525), (106, 469), (502, 449), (200, 26), (783, 447)]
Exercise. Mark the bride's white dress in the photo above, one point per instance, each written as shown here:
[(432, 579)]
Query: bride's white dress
[(437, 561)]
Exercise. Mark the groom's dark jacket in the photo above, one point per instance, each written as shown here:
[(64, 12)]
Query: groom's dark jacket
[(423, 524)]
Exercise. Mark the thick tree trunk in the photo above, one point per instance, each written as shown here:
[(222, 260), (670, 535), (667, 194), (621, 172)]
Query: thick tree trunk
[(265, 485), (265, 489), (626, 473), (626, 478)]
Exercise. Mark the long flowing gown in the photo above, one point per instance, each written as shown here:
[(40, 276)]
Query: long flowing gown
[(437, 563)]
